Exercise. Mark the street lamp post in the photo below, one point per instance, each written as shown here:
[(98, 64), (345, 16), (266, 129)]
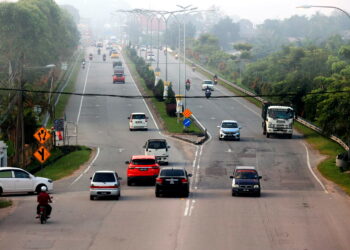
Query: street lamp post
[(324, 6)]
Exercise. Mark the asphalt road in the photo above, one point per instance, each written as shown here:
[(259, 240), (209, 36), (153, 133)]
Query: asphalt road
[(294, 211)]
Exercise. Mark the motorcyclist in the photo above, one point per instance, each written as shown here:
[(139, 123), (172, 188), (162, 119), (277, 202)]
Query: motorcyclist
[(104, 57), (215, 79), (99, 51), (44, 199), (207, 92), (193, 67), (188, 84), (90, 56)]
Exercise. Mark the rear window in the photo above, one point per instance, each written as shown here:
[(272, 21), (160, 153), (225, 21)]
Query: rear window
[(139, 116), (207, 82), (143, 162), (119, 75), (172, 172), (104, 177), (157, 144), (229, 125)]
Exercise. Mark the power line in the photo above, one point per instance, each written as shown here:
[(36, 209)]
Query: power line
[(151, 96)]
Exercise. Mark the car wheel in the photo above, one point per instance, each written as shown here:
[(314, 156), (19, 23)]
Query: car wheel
[(166, 163), (238, 139), (186, 194), (258, 194), (38, 188), (92, 197), (117, 197), (220, 139), (233, 193), (267, 135), (290, 136), (0, 191), (129, 182)]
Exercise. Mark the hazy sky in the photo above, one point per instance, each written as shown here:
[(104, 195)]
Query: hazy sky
[(254, 10)]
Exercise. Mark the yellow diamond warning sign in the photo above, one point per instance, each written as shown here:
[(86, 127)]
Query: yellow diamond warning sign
[(42, 135), (42, 154), (187, 113)]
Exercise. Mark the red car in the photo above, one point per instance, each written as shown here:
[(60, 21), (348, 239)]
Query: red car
[(118, 78), (141, 168)]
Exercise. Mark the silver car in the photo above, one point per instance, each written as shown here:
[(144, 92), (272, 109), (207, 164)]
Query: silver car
[(105, 183)]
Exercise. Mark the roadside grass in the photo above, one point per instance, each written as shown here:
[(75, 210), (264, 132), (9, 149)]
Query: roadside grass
[(66, 165), (5, 203), (171, 124), (330, 149), (321, 143)]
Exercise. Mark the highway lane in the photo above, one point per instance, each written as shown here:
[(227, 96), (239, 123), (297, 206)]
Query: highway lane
[(138, 220), (294, 211)]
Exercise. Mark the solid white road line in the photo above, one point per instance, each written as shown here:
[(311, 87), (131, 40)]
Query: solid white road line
[(312, 172), (82, 97), (88, 168)]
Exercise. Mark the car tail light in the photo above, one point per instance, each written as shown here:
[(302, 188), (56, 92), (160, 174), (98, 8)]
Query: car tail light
[(92, 186), (159, 180), (155, 167), (183, 180), (131, 168)]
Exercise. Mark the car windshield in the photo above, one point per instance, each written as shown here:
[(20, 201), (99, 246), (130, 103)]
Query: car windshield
[(246, 174), (119, 75), (144, 161), (280, 113), (229, 125), (157, 144), (141, 116), (104, 177), (208, 82), (172, 172)]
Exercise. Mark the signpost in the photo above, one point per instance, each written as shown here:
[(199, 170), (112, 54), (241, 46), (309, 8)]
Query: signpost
[(42, 135), (186, 122)]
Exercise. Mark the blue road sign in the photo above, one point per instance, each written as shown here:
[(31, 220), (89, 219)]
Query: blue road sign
[(186, 122)]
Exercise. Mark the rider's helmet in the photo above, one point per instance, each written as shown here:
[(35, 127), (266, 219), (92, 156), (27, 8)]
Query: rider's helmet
[(43, 189)]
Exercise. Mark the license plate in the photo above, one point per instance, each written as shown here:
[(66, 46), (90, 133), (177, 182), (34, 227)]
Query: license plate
[(245, 190), (138, 122), (143, 169)]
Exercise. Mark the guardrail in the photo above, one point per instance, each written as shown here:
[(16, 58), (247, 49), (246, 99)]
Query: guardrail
[(302, 121)]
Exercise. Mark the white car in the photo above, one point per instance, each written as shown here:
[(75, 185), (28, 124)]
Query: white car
[(17, 180), (229, 129), (159, 148), (208, 84), (105, 183), (138, 121)]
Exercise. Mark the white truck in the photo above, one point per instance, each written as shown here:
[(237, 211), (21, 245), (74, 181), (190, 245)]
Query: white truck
[(277, 120)]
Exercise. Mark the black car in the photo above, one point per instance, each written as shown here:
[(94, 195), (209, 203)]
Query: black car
[(245, 180), (173, 180)]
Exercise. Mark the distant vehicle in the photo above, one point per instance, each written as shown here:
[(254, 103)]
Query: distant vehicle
[(245, 180), (159, 148), (138, 121), (118, 78), (173, 180), (105, 183), (208, 84), (229, 129), (150, 58), (118, 70), (117, 63), (142, 168), (142, 48), (99, 44), (17, 180), (114, 55), (277, 119)]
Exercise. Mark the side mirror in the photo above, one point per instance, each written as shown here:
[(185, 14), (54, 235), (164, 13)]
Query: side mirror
[(260, 177), (144, 146), (90, 178), (218, 126), (147, 117), (231, 177), (120, 178), (168, 146), (129, 117), (127, 162), (239, 127), (189, 175)]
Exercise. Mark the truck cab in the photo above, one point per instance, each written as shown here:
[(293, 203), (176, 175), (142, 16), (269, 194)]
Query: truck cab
[(278, 120)]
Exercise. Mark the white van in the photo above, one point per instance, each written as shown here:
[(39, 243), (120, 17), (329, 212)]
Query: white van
[(159, 148), (138, 121)]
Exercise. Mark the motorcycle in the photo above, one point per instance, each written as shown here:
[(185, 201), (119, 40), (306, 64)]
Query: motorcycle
[(90, 57), (188, 86), (83, 65), (99, 51), (207, 93), (215, 79), (104, 57), (193, 68), (43, 214)]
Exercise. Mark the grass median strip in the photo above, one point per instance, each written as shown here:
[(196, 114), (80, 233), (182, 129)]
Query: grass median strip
[(171, 124), (5, 203), (66, 165)]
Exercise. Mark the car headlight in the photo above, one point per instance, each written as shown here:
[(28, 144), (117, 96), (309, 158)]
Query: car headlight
[(271, 125), (256, 186), (290, 126), (235, 186)]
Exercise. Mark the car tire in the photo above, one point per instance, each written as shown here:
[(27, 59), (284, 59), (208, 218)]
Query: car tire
[(129, 182), (220, 139), (92, 197), (186, 194), (0, 191), (38, 188), (117, 197), (258, 194), (267, 135), (290, 136), (233, 194), (238, 139), (157, 194)]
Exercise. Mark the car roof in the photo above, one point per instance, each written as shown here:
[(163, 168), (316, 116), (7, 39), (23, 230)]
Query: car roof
[(138, 113), (104, 171), (279, 107), (228, 121), (134, 157), (173, 168), (10, 168), (245, 168), (156, 140), (207, 80)]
